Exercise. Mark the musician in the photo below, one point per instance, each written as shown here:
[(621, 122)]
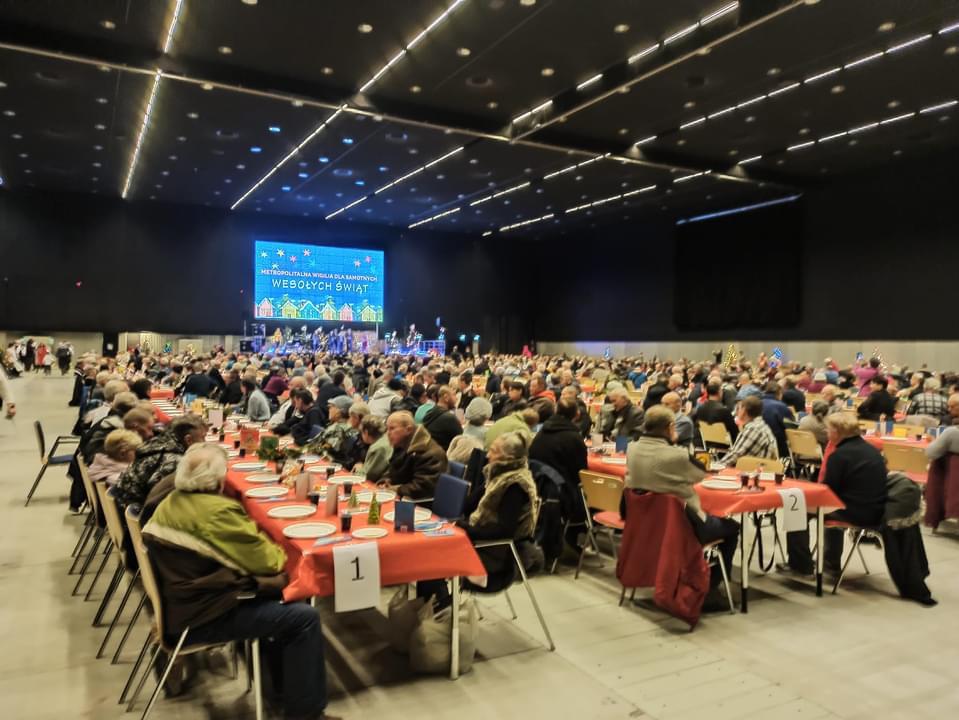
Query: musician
[(349, 341)]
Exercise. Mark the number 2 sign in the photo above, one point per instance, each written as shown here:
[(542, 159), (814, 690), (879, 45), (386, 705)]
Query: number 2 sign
[(356, 576)]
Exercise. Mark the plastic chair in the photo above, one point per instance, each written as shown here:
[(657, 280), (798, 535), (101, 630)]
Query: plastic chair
[(51, 458), (99, 533), (749, 463), (449, 496), (859, 532), (905, 458), (805, 452), (604, 493), (156, 638), (457, 469), (714, 435)]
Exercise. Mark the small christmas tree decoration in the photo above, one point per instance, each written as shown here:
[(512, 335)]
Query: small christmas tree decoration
[(374, 517)]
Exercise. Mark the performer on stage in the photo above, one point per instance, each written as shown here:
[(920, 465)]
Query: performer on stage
[(411, 337), (278, 338), (349, 341)]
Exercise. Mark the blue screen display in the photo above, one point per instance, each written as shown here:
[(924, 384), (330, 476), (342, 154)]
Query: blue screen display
[(317, 283)]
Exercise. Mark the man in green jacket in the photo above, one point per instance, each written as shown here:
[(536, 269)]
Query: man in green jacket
[(206, 551)]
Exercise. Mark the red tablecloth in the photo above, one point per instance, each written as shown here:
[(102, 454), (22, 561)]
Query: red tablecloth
[(160, 393), (730, 502), (404, 557)]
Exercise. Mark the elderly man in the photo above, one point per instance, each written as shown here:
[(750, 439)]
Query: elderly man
[(624, 419), (583, 421), (157, 458), (199, 383), (655, 464), (417, 460), (832, 397), (538, 389), (288, 416), (654, 396), (856, 473), (310, 416), (755, 439), (207, 552), (140, 420), (332, 389), (440, 420), (339, 436), (930, 401), (682, 422), (714, 410), (111, 389), (746, 387)]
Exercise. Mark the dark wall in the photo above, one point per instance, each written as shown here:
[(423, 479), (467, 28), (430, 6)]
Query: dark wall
[(876, 253), (189, 270)]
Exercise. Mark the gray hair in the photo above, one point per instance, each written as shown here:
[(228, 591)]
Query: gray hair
[(617, 392), (513, 445), (931, 385), (124, 402), (202, 469), (113, 388), (360, 410)]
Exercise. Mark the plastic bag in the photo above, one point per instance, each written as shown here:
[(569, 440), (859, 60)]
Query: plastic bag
[(403, 617), (430, 641)]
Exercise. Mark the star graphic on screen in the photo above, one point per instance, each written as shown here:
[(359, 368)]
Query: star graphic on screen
[(280, 253), (292, 258), (368, 259), (356, 263), (262, 254), (306, 252), (276, 266)]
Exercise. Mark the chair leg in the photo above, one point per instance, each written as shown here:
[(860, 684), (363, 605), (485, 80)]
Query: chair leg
[(729, 593), (116, 617), (144, 674), (126, 633), (79, 555), (532, 597), (234, 660), (257, 679), (108, 595), (249, 665), (582, 553), (509, 602), (33, 488), (622, 596), (166, 673), (612, 545), (100, 534), (842, 572), (103, 564), (862, 558), (87, 528)]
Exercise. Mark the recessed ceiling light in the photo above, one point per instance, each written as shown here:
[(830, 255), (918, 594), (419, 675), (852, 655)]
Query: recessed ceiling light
[(193, 115), (164, 173), (547, 72), (9, 113), (327, 70), (689, 104), (952, 50), (527, 3), (623, 131), (773, 71), (803, 131), (897, 153), (2, 84), (108, 24), (812, 2), (323, 159), (172, 157), (623, 90), (103, 68), (892, 104), (463, 51), (413, 151), (302, 175), (17, 136), (297, 103), (256, 149), (621, 28), (365, 28), (98, 148), (681, 142), (492, 104), (750, 118), (347, 141), (207, 86), (944, 118), (415, 89), (734, 152), (780, 161), (181, 138), (274, 128), (836, 89), (853, 142), (887, 26), (24, 155), (704, 51), (224, 50), (249, 2), (241, 166), (102, 100)]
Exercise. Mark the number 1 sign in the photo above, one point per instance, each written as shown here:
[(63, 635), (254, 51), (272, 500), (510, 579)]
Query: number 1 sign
[(356, 576)]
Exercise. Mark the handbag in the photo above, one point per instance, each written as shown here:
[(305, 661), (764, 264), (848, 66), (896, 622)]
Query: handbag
[(430, 640), (403, 616)]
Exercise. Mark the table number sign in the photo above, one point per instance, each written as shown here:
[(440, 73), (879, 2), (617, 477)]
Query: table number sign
[(356, 576), (794, 509)]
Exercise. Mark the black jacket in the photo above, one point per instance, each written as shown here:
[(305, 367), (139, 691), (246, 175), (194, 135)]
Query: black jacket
[(856, 472), (442, 426), (559, 444), (878, 403), (232, 393), (713, 411), (795, 399), (654, 395), (303, 430), (323, 397), (199, 384), (631, 425)]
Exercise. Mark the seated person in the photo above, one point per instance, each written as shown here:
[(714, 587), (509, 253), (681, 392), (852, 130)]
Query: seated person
[(856, 473), (879, 402), (417, 460), (206, 551), (378, 448), (310, 416), (715, 411), (141, 421), (256, 406), (287, 416), (477, 413), (815, 422), (337, 438), (509, 400), (625, 418), (157, 458), (119, 449), (947, 442), (522, 421), (655, 464), (199, 383), (755, 439), (441, 422), (682, 421), (355, 452)]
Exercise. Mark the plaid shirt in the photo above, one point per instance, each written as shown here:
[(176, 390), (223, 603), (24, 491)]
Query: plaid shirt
[(929, 403), (755, 439)]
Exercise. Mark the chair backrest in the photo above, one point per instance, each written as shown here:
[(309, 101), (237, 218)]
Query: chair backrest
[(803, 444), (715, 433), (602, 492), (147, 576), (92, 496), (927, 421), (111, 513), (457, 469), (41, 442), (812, 397), (902, 405), (474, 468), (449, 496), (908, 429), (748, 463), (905, 458)]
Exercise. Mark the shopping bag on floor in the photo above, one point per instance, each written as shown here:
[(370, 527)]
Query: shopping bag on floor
[(403, 616), (430, 641)]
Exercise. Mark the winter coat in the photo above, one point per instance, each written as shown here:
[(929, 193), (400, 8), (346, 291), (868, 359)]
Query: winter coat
[(416, 469), (560, 445), (442, 425)]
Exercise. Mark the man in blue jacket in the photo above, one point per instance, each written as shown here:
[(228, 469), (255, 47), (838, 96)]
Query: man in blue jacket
[(775, 414)]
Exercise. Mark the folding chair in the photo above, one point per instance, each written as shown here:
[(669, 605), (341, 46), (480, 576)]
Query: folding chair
[(749, 463), (604, 493), (858, 533), (804, 451), (457, 469), (715, 437), (449, 497), (98, 534), (51, 458), (156, 636), (905, 458)]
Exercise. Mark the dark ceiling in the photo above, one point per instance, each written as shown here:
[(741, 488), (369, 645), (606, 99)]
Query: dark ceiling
[(525, 117)]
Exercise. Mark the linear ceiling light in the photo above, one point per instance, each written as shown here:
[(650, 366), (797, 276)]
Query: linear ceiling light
[(505, 228), (418, 170), (742, 209), (586, 83), (144, 124), (434, 217), (346, 207), (495, 195), (171, 30)]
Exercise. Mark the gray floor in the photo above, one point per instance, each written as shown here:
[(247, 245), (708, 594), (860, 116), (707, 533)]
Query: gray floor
[(860, 654)]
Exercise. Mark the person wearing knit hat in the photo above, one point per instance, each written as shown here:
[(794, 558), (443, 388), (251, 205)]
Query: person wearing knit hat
[(477, 413)]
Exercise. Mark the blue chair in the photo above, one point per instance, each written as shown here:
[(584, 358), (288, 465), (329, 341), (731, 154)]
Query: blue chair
[(457, 469), (51, 458), (449, 497), (621, 442)]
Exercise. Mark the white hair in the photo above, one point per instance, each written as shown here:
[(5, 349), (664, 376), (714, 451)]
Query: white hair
[(202, 469), (931, 385)]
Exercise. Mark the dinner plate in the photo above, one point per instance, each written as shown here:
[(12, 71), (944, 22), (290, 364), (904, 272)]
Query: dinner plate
[(382, 496), (420, 515), (267, 491), (614, 461), (233, 453), (340, 479), (249, 466), (320, 466), (263, 478), (721, 484), (716, 466), (307, 459), (369, 533), (307, 530), (288, 512), (767, 476)]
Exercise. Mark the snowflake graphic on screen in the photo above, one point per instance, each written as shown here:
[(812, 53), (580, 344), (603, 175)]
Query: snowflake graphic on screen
[(306, 252), (280, 253)]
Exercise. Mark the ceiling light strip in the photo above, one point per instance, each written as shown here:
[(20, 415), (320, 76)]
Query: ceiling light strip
[(752, 159), (681, 34), (897, 118), (144, 124), (725, 10), (574, 167), (347, 207), (940, 106), (863, 128), (863, 60), (827, 138), (434, 217), (722, 112), (418, 170), (782, 90), (949, 28), (644, 141), (909, 43), (526, 222), (692, 123), (611, 198), (800, 146), (752, 101), (741, 209), (409, 46), (641, 190), (507, 191), (487, 233), (171, 30), (286, 158), (586, 83), (820, 76), (684, 178), (643, 53)]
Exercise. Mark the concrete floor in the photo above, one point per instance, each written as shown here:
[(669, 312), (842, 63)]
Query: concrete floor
[(860, 654)]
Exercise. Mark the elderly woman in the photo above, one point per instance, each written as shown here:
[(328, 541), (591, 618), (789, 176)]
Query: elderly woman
[(815, 422), (376, 461), (478, 412), (119, 449), (206, 552)]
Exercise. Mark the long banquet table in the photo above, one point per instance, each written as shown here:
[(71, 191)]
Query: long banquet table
[(725, 503)]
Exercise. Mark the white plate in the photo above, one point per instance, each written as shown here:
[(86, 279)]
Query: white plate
[(382, 496), (267, 491), (262, 478), (721, 484), (249, 466), (614, 461), (307, 459), (368, 533), (321, 466), (233, 453), (288, 512), (716, 466), (307, 530), (340, 479), (421, 515), (767, 476)]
